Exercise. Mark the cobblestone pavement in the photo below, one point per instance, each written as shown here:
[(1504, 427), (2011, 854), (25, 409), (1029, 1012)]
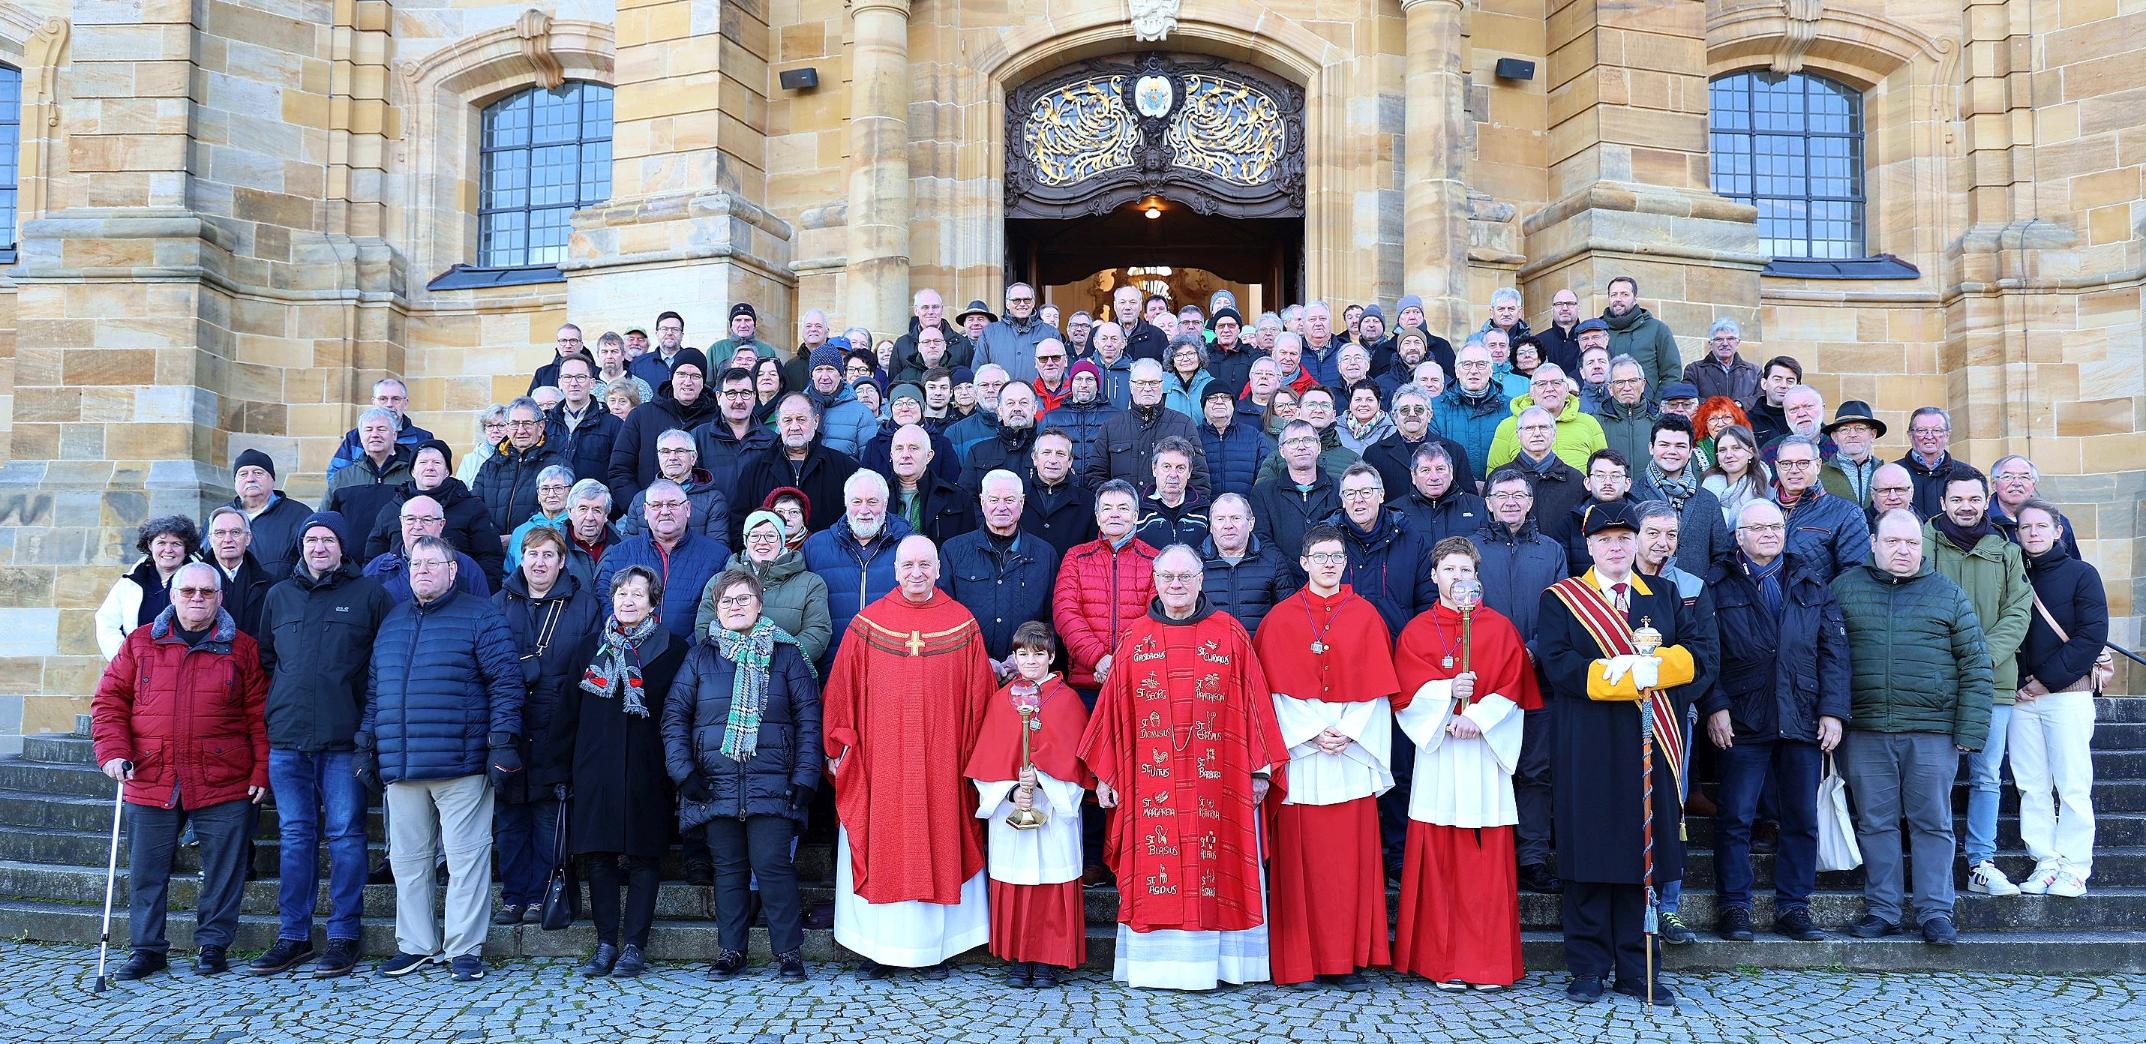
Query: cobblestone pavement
[(45, 996)]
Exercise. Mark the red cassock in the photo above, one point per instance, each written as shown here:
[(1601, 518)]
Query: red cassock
[(1460, 894), (1046, 922), (1326, 886), (1179, 727), (905, 699)]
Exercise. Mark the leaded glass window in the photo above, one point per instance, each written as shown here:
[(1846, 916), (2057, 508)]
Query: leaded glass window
[(10, 150), (1792, 146), (545, 154)]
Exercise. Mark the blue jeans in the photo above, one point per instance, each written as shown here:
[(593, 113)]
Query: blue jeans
[(1746, 770), (525, 836), (318, 794), (1985, 769)]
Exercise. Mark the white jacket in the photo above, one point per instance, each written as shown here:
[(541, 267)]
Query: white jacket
[(116, 616)]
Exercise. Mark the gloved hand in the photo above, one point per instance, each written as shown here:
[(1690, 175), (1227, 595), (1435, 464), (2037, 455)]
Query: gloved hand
[(504, 760), (367, 763), (560, 792), (695, 789), (800, 797)]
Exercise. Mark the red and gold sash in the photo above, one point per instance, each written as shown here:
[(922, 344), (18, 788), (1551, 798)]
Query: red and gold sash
[(1613, 634)]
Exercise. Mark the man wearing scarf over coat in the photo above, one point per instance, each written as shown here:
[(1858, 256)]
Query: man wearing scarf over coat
[(1183, 743), (1584, 633), (904, 702), (1463, 688), (1329, 660), (1038, 914)]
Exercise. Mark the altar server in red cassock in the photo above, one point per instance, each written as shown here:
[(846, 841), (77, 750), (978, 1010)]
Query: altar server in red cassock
[(1463, 688), (1038, 919), (904, 703), (1182, 744), (1329, 659)]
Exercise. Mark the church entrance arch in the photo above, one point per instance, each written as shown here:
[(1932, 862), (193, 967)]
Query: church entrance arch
[(1182, 173)]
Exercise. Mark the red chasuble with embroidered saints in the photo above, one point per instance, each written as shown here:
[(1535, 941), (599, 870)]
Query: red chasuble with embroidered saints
[(1184, 719), (906, 699)]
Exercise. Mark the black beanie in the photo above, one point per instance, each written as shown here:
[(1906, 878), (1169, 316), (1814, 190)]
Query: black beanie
[(257, 459)]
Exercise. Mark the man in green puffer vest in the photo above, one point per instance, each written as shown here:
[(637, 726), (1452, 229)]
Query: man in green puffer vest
[(1920, 696)]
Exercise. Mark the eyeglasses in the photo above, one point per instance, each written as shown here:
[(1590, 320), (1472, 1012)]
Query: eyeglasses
[(1175, 578), (1050, 358), (736, 601), (1359, 494), (575, 377), (193, 594), (1794, 465), (426, 565), (1411, 411), (425, 520), (523, 424), (672, 451), (1301, 440), (1146, 384), (1921, 433), (665, 505), (1510, 496), (1766, 529), (1628, 382), (1473, 364)]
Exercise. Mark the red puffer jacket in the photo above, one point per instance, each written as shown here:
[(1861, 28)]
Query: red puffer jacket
[(188, 718), (1101, 591)]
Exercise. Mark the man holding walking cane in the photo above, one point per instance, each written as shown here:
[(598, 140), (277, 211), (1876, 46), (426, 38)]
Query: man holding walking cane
[(1615, 650), (177, 722)]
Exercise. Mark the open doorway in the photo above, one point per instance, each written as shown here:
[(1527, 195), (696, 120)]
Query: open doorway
[(1180, 253)]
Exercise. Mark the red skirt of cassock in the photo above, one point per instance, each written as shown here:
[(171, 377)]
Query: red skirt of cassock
[(1043, 923), (1460, 906), (1326, 905)]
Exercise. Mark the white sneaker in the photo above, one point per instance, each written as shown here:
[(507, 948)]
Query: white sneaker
[(2038, 881), (2067, 885), (1988, 880)]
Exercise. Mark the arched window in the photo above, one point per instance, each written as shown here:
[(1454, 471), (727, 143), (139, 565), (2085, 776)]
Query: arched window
[(1793, 147), (546, 154), (10, 151)]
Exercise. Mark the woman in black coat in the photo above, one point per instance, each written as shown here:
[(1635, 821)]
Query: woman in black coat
[(741, 737), (606, 741), (2051, 736)]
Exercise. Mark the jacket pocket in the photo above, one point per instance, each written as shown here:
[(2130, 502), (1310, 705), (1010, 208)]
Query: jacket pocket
[(225, 763)]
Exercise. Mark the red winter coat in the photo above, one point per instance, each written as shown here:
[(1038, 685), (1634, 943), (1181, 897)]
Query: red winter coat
[(186, 717), (1100, 593)]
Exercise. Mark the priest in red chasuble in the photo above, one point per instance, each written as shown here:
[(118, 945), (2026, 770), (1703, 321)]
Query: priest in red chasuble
[(1329, 659), (1027, 766), (1183, 742), (1465, 681), (904, 703)]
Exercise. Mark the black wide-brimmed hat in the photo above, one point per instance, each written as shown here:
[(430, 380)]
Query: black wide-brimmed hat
[(1854, 411)]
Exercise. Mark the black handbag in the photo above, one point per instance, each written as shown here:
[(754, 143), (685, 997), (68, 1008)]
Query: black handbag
[(562, 894)]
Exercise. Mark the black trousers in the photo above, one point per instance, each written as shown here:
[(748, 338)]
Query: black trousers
[(749, 848), (640, 879), (1605, 931), (1531, 789)]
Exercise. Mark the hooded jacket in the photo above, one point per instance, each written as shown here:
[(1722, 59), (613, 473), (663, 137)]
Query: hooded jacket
[(794, 597), (1994, 575), (1390, 566), (2071, 591), (711, 509), (633, 452), (188, 716), (508, 481), (316, 643), (586, 446), (846, 425), (469, 526), (1250, 586), (1472, 421), (1779, 674)]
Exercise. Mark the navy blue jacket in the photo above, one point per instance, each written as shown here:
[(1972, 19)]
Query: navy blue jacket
[(1831, 532), (1249, 588), (1457, 513), (1390, 566), (1007, 448), (316, 640), (443, 684), (587, 445), (856, 574), (1778, 675), (878, 454), (1516, 569), (787, 753), (1281, 512), (1063, 514), (944, 510), (1005, 583), (691, 564), (1234, 456), (547, 631), (723, 454), (1083, 423), (1395, 458), (507, 483)]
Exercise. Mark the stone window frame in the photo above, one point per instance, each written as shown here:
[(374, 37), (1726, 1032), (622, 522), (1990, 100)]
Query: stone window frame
[(443, 96), (35, 48), (1904, 77)]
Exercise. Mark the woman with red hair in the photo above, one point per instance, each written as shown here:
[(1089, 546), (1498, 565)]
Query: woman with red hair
[(1716, 413)]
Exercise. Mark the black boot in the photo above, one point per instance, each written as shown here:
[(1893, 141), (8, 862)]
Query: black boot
[(793, 966), (1536, 877)]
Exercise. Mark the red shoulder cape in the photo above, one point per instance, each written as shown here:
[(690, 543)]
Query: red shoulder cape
[(1357, 664), (1496, 653), (1055, 747)]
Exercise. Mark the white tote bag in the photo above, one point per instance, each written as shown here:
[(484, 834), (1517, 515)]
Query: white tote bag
[(1837, 849)]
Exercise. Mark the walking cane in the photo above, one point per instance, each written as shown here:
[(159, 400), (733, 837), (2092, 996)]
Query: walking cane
[(111, 872), (1645, 640)]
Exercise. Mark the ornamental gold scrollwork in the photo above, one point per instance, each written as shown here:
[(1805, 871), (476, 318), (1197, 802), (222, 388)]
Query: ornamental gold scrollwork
[(1080, 130), (1226, 130)]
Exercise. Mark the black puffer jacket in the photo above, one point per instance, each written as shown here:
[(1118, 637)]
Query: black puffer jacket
[(787, 754), (2071, 590), (1251, 586), (547, 632), (633, 451), (469, 525), (316, 643), (1778, 675), (508, 481)]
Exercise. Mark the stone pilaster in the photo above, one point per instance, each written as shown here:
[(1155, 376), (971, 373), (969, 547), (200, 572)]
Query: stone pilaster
[(1628, 171), (686, 226), (1435, 161), (879, 193)]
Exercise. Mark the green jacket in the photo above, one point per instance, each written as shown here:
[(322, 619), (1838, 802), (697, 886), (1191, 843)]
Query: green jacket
[(1917, 653), (1646, 339), (1994, 575), (793, 597)]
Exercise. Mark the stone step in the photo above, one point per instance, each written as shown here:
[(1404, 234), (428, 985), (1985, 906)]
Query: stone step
[(2074, 953), (2110, 828)]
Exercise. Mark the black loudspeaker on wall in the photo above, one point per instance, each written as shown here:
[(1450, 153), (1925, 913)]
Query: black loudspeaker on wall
[(1508, 69), (808, 78)]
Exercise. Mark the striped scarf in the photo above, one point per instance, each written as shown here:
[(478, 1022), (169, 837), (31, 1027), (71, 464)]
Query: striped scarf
[(617, 667)]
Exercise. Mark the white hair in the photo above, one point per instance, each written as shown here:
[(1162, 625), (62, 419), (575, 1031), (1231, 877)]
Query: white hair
[(999, 476), (1504, 293), (865, 481)]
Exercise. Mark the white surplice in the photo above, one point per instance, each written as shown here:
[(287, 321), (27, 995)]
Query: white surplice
[(1049, 854), (1167, 959), (1462, 782), (910, 934), (1363, 769)]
